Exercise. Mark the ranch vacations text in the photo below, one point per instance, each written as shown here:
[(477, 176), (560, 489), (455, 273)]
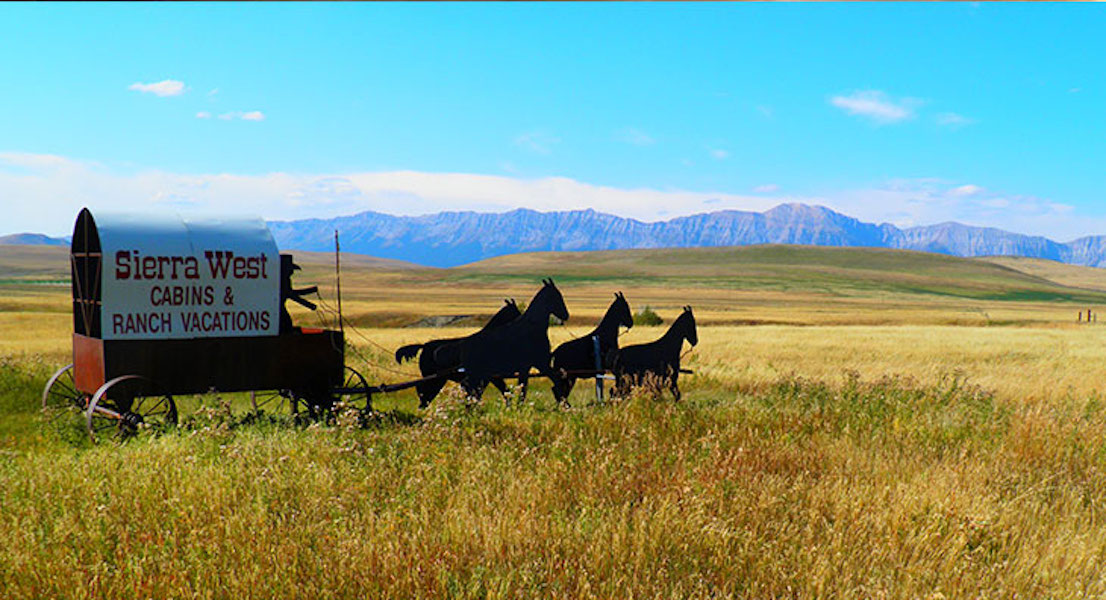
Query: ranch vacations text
[(200, 294)]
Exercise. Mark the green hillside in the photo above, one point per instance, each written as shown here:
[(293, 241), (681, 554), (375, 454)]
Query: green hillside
[(849, 271)]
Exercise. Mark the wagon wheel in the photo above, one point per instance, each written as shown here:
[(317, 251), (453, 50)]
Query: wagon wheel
[(118, 410), (61, 391), (314, 404), (60, 397), (272, 401), (355, 380)]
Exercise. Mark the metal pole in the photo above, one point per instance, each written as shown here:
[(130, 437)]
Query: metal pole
[(338, 281), (598, 370)]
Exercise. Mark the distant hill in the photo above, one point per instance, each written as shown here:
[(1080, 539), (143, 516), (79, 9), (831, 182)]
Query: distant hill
[(793, 268), (454, 238), (31, 239)]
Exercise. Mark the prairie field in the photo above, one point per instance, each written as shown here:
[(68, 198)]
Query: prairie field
[(859, 423)]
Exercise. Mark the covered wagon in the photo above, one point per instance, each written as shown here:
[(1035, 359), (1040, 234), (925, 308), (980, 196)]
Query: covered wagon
[(166, 305)]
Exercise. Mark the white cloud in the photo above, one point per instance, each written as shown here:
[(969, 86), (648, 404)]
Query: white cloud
[(538, 142), (966, 190), (43, 193), (169, 87), (767, 188), (953, 120), (719, 154), (876, 106), (634, 137), (203, 114), (253, 115)]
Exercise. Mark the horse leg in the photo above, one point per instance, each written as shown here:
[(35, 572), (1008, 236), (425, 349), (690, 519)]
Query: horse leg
[(523, 378), (500, 385), (674, 387), (474, 388), (565, 386), (428, 390)]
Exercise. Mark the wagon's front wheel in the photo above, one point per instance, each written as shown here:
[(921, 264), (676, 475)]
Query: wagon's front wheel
[(61, 400), (355, 390), (61, 391), (126, 406)]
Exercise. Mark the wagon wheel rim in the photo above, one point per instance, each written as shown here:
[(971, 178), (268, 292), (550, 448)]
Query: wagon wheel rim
[(128, 415), (61, 398), (354, 379)]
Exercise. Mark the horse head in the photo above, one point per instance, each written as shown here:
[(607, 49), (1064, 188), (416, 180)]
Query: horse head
[(507, 313), (687, 322), (549, 301), (621, 310)]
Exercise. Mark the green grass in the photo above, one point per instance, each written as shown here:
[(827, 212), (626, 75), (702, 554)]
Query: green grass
[(800, 488)]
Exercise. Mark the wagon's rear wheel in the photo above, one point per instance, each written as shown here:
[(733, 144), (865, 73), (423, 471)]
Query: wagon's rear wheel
[(126, 406)]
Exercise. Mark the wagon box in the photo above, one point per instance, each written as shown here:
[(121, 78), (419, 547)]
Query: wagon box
[(167, 305)]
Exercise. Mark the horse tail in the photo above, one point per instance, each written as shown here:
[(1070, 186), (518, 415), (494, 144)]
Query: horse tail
[(408, 352)]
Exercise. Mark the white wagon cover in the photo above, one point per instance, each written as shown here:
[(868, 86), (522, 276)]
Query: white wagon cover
[(174, 277)]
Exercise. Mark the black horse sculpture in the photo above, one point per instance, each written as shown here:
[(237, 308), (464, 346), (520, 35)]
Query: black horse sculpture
[(632, 365), (579, 354), (430, 363), (514, 348)]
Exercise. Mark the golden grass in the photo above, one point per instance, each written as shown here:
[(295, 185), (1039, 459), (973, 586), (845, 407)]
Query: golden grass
[(858, 441)]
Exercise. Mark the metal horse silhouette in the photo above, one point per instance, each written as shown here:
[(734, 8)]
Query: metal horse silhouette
[(513, 349), (445, 364), (660, 358), (579, 354)]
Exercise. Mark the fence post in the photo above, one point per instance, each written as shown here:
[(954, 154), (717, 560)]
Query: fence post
[(598, 369)]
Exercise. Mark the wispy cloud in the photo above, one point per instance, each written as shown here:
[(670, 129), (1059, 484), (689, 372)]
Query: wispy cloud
[(634, 137), (538, 142), (253, 115), (966, 190), (169, 87), (767, 188), (719, 154), (953, 120), (43, 192), (203, 114), (877, 106)]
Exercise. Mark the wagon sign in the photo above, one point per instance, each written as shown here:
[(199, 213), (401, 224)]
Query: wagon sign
[(179, 279)]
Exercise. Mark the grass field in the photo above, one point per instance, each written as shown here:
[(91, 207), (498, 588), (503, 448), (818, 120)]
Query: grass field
[(861, 423)]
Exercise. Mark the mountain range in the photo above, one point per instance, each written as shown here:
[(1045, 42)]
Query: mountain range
[(448, 239), (453, 238)]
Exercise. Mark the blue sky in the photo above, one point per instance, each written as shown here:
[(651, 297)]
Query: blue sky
[(990, 114)]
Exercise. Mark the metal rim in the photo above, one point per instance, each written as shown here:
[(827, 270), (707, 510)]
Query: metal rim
[(355, 379), (124, 418)]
